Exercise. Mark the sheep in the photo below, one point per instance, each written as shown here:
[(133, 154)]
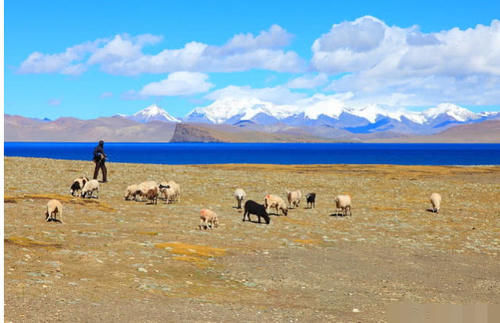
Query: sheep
[(239, 195), (276, 202), (252, 207), (343, 202), (294, 198), (171, 191), (436, 202), (89, 189), (132, 192), (54, 208), (78, 184), (144, 187), (152, 194), (311, 200), (208, 219)]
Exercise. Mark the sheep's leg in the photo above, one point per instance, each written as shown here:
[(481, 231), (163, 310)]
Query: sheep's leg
[(244, 213)]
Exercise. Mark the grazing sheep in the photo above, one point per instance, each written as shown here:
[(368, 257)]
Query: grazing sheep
[(208, 219), (239, 195), (152, 194), (276, 202), (436, 202), (78, 184), (54, 208), (311, 200), (91, 187), (144, 187), (294, 198), (132, 192), (343, 202), (171, 191), (252, 207)]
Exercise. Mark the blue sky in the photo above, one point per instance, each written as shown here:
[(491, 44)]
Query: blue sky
[(100, 58)]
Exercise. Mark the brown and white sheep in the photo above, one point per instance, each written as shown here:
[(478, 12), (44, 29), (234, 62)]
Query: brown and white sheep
[(131, 192), (208, 219), (78, 184), (277, 202), (343, 202), (144, 187), (54, 208)]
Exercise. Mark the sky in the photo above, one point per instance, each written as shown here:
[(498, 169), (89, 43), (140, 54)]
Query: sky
[(87, 59)]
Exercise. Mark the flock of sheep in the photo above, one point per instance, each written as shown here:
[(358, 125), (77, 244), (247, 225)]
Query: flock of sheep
[(171, 192)]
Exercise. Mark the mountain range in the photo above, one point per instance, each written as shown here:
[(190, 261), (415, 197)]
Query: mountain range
[(247, 120)]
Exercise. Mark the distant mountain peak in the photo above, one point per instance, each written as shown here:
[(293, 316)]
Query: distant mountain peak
[(456, 112), (153, 113)]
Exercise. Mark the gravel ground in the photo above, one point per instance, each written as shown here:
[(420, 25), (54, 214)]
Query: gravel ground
[(116, 260)]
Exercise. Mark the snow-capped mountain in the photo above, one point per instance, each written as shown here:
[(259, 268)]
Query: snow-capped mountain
[(328, 111), (152, 113)]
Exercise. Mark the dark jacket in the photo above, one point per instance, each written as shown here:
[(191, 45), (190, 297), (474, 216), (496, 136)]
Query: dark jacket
[(99, 154)]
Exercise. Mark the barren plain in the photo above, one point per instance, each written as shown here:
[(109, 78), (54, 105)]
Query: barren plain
[(116, 260)]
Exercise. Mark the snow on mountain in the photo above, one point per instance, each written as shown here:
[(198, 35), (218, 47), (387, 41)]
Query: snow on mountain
[(152, 113), (458, 113)]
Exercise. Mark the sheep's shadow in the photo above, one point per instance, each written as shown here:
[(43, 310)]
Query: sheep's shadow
[(431, 210), (54, 220), (255, 221), (338, 214)]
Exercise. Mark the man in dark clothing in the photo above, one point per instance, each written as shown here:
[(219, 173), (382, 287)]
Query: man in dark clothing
[(99, 160)]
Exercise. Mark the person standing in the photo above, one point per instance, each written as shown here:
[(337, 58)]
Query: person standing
[(100, 161)]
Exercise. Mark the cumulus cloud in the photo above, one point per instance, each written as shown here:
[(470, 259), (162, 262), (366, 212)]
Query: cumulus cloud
[(276, 95), (404, 66), (178, 83), (308, 81), (123, 55)]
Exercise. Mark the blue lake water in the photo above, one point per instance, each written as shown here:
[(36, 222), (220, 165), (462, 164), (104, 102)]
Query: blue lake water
[(260, 153)]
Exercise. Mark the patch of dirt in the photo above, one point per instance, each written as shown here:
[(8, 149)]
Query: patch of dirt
[(117, 260)]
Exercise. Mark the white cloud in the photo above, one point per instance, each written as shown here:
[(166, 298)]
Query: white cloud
[(106, 95), (178, 83), (124, 55), (308, 81), (406, 67), (275, 95)]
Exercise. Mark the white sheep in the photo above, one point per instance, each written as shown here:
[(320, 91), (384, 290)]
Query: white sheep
[(294, 198), (131, 192), (89, 189), (343, 202), (239, 195), (171, 191), (54, 208), (208, 219), (78, 184), (436, 202), (276, 202)]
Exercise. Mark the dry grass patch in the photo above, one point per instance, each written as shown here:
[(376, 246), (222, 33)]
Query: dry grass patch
[(27, 242), (102, 206)]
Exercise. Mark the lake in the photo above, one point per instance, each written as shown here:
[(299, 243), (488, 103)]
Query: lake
[(267, 153)]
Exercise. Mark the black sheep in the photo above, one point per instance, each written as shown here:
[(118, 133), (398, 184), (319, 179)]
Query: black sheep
[(311, 199), (252, 207)]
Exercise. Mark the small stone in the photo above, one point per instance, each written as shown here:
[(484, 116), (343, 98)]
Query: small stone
[(355, 310), (144, 270)]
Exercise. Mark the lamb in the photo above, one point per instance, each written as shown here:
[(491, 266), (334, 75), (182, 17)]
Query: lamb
[(132, 192), (436, 202), (239, 195), (54, 208), (208, 219), (89, 189), (343, 202), (171, 191), (252, 207), (276, 202), (78, 184), (294, 198), (311, 200)]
